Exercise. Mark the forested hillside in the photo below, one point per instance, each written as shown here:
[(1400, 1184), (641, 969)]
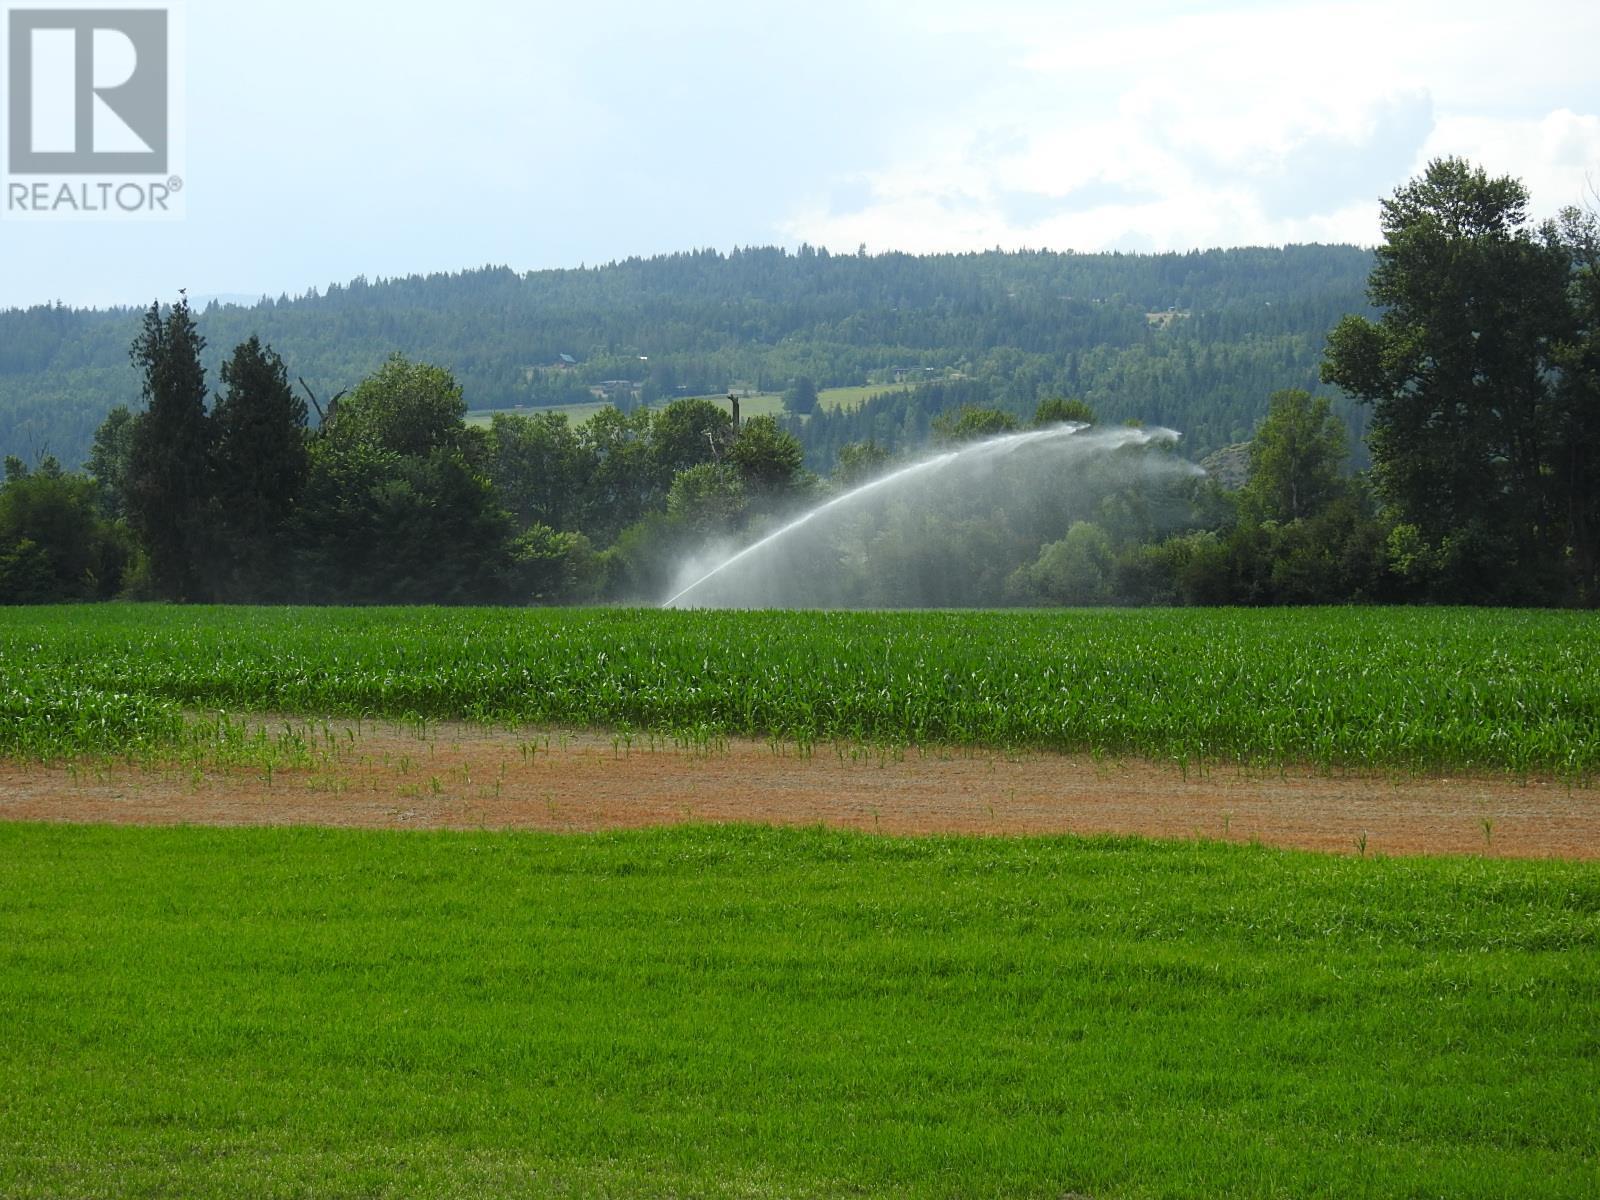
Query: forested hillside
[(1196, 341)]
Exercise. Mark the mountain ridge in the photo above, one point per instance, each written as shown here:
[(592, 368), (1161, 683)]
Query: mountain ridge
[(1195, 339)]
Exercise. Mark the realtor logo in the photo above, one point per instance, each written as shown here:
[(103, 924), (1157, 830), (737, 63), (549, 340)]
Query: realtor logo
[(88, 91), (89, 110)]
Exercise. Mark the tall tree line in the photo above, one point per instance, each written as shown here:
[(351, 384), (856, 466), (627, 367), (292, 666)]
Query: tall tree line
[(1478, 367), (390, 498), (1481, 375)]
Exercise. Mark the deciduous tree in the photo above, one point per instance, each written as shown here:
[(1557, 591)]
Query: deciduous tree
[(972, 424), (687, 433), (801, 397), (54, 543), (541, 468), (1295, 458), (1458, 371), (407, 407), (1575, 471), (109, 459), (769, 458), (709, 499), (1055, 410), (859, 462)]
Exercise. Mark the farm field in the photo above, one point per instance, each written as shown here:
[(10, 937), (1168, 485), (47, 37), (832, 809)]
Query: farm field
[(1412, 689), (752, 1012), (446, 902), (758, 404), (576, 413), (854, 397)]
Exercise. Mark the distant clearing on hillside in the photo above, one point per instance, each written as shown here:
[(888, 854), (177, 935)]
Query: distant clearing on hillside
[(757, 404)]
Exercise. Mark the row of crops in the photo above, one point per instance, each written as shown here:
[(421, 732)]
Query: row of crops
[(1414, 688)]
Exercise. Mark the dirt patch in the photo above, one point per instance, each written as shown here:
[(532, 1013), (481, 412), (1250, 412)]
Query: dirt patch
[(469, 778)]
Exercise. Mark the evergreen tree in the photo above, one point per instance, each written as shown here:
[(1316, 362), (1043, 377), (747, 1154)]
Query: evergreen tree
[(170, 494), (260, 461), (1002, 330), (1575, 471)]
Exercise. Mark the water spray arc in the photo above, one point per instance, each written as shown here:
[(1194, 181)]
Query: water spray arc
[(1004, 471), (987, 448), (836, 502)]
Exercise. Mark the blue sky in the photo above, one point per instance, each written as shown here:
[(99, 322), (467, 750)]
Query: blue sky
[(329, 140)]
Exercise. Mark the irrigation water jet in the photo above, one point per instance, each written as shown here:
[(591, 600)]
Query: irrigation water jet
[(846, 498), (720, 586)]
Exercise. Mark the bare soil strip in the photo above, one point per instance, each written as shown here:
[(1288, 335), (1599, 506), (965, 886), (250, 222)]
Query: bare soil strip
[(463, 777)]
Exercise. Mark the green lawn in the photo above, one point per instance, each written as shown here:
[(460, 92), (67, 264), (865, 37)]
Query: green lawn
[(751, 1012)]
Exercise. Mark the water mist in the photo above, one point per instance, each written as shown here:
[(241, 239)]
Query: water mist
[(944, 530)]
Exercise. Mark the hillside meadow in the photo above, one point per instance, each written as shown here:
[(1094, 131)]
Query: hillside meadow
[(759, 404)]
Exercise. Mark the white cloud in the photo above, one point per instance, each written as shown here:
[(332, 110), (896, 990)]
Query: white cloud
[(1557, 155), (1251, 124), (546, 135)]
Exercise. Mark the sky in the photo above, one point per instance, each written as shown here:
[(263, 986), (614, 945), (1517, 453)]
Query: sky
[(331, 139)]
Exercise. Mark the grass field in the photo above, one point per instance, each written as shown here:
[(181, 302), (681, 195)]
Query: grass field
[(854, 397), (1405, 688), (577, 414), (750, 1013), (760, 404)]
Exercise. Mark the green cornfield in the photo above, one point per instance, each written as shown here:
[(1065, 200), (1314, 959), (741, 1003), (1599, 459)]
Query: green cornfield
[(1419, 689)]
